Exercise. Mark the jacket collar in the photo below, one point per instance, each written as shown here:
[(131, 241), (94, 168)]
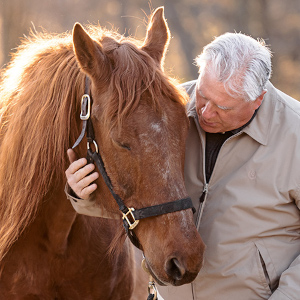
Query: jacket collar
[(259, 127)]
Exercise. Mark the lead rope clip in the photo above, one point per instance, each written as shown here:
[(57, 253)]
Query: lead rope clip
[(152, 291)]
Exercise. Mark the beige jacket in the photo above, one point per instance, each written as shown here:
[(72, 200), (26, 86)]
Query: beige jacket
[(250, 218)]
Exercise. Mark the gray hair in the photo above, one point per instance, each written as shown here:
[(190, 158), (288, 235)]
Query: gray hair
[(242, 63)]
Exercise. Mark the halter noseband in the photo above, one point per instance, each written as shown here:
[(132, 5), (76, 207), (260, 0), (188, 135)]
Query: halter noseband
[(130, 216)]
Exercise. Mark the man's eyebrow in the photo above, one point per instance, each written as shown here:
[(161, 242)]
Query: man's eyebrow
[(219, 106), (224, 107)]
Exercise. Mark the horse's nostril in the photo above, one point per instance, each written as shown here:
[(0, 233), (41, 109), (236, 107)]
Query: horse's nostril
[(174, 269)]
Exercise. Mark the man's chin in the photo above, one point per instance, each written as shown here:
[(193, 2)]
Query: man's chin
[(209, 127)]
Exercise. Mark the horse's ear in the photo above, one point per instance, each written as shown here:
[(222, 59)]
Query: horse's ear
[(88, 52), (158, 36)]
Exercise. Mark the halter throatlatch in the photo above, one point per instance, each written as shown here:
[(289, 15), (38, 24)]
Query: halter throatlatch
[(130, 216)]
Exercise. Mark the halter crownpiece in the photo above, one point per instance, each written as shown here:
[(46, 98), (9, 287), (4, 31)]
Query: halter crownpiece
[(130, 216)]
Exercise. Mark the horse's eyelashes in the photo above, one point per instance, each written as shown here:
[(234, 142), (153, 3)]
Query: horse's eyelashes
[(124, 146)]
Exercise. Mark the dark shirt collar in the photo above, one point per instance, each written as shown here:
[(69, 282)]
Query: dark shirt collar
[(235, 131)]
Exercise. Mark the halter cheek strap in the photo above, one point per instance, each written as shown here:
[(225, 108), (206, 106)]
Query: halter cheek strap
[(130, 216)]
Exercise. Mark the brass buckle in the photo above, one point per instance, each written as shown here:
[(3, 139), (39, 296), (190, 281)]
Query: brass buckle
[(88, 113), (131, 224)]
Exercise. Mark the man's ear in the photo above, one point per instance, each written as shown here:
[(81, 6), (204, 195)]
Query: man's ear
[(259, 99)]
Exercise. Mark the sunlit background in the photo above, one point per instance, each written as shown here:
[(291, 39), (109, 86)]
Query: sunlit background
[(193, 24)]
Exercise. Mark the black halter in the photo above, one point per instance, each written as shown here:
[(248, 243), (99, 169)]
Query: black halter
[(130, 216)]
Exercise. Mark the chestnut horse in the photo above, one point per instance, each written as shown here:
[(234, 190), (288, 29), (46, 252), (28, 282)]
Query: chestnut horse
[(47, 250)]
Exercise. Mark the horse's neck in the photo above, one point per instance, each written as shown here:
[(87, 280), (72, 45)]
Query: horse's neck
[(59, 216)]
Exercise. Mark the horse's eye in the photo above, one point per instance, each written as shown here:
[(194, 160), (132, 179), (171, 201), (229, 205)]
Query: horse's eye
[(124, 146)]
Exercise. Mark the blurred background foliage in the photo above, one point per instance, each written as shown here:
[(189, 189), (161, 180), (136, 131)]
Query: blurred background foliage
[(193, 24)]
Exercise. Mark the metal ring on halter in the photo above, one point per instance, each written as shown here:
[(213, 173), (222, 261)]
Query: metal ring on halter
[(95, 144)]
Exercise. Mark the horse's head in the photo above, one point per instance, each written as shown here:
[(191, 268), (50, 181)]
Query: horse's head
[(140, 126)]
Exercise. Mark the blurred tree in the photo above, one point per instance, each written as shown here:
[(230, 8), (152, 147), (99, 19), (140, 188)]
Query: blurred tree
[(11, 12), (187, 43)]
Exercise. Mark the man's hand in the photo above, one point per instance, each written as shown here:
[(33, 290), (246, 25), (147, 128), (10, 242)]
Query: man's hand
[(79, 177)]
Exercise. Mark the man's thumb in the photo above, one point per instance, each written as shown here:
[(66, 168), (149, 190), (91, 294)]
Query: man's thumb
[(72, 155)]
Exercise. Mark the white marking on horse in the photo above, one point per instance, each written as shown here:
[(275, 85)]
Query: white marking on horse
[(156, 127), (184, 223), (158, 142)]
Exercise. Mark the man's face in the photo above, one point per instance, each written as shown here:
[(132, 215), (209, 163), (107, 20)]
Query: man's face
[(219, 112)]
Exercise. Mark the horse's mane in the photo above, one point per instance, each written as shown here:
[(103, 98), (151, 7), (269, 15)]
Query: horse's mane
[(40, 94)]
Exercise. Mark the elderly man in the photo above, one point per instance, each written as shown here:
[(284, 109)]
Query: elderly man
[(242, 172)]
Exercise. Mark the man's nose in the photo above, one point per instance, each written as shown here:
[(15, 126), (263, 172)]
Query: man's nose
[(207, 110)]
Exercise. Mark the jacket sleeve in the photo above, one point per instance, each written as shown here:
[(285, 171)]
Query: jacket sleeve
[(88, 207), (289, 283)]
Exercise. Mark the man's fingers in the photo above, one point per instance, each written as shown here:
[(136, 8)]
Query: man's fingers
[(84, 172), (87, 180), (72, 155), (80, 177), (86, 192), (77, 165)]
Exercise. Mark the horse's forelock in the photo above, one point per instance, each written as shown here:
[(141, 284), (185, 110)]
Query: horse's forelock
[(134, 73)]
